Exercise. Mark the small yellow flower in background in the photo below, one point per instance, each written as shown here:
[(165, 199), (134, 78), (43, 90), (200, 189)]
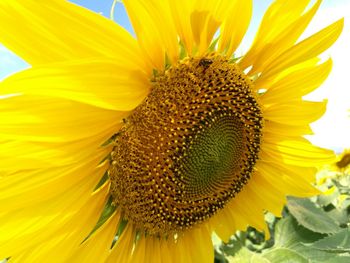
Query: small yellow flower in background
[(116, 149), (343, 162)]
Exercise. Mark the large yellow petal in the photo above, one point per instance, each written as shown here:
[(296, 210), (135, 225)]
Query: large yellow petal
[(106, 83), (297, 84), (200, 245), (123, 248), (139, 254), (246, 208), (152, 254), (197, 22), (306, 49), (45, 31), (155, 31), (61, 245), (195, 246), (180, 12), (47, 119), (21, 155), (25, 188), (281, 17), (297, 151), (38, 223), (224, 224), (166, 253), (287, 181), (283, 129), (235, 25), (295, 113), (283, 41), (262, 82), (265, 196), (97, 246)]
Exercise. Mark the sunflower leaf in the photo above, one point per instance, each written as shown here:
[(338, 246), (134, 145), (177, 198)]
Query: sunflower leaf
[(247, 256), (284, 255), (292, 236), (312, 217), (337, 243)]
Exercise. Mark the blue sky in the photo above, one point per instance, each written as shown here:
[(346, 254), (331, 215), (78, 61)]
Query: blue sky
[(335, 89)]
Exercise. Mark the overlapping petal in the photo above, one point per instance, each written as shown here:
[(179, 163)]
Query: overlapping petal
[(58, 30), (105, 83)]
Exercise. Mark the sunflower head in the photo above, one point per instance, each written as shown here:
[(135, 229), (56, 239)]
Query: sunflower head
[(189, 147), (124, 149)]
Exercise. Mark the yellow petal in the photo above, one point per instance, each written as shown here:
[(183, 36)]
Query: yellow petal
[(297, 113), (180, 11), (248, 206), (166, 253), (179, 250), (105, 83), (235, 25), (63, 215), (122, 250), (279, 18), (197, 22), (197, 243), (296, 84), (55, 30), (155, 31), (263, 82), (22, 155), (152, 250), (139, 255), (306, 49), (284, 40), (25, 188), (293, 170), (297, 152), (223, 224), (97, 246), (65, 242), (46, 119), (264, 195), (287, 130), (285, 180), (204, 25)]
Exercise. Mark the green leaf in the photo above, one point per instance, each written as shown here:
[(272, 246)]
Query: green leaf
[(284, 255), (289, 234), (297, 238), (326, 199), (337, 243), (311, 217), (246, 256), (340, 216), (339, 259)]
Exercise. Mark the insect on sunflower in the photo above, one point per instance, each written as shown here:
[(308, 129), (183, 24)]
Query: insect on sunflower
[(123, 149)]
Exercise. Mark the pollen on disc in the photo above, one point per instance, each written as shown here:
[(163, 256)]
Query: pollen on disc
[(188, 148)]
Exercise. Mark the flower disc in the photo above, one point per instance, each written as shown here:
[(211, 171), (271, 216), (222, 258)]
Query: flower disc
[(188, 148)]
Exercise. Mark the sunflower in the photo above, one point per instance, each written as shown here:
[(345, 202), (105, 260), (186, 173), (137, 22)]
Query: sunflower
[(123, 149), (342, 163)]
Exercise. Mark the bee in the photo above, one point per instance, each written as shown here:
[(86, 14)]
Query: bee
[(205, 63)]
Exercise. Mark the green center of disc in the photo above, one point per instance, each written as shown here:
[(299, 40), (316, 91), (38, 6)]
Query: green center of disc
[(214, 153)]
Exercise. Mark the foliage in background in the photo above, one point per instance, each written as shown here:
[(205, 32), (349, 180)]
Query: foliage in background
[(311, 229)]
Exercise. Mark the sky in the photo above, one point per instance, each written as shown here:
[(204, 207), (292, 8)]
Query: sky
[(333, 129)]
